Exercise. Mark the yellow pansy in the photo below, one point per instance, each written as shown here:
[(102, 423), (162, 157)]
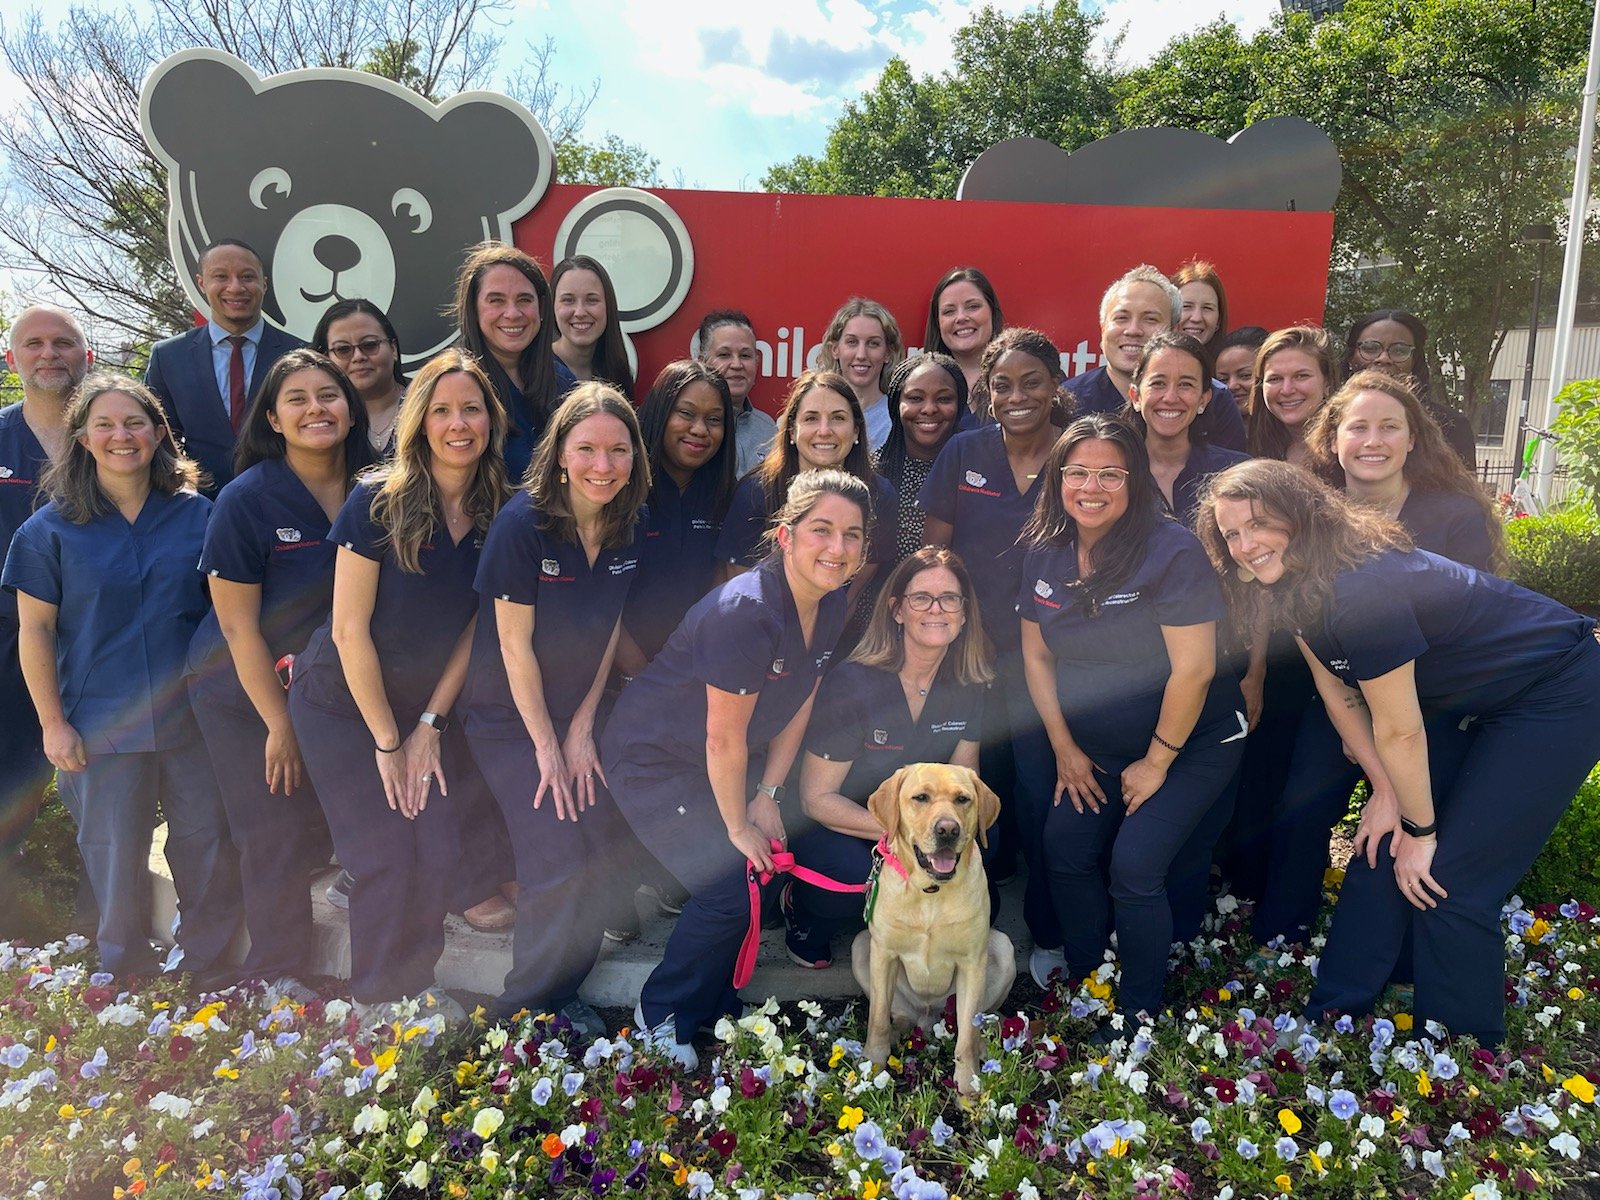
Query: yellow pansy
[(1285, 1184), (1291, 1123), (1403, 1022), (1424, 1084), (851, 1116), (1580, 1087)]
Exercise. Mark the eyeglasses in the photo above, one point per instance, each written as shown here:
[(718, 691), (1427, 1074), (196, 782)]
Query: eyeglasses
[(342, 351), (949, 602), (1399, 352), (1111, 478)]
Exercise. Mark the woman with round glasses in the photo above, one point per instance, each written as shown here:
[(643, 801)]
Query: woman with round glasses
[(1119, 609), (1395, 342), (361, 340), (910, 692)]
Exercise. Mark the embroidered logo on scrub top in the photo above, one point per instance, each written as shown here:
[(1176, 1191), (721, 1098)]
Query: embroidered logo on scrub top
[(623, 567), (777, 666), (1043, 590), (881, 736), (289, 535), (550, 567), (948, 727), (1338, 665), (976, 482), (6, 472), (1119, 598)]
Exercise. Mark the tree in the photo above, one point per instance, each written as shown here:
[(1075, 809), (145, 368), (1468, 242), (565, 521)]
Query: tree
[(1036, 74), (610, 163), (84, 205)]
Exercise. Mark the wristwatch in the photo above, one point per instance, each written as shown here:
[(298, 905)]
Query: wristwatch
[(439, 721), (775, 790), (1415, 830)]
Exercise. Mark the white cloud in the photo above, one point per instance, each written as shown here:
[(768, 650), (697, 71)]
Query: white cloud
[(1148, 25)]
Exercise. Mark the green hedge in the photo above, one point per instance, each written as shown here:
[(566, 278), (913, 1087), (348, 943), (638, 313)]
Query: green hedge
[(1558, 554), (1569, 866)]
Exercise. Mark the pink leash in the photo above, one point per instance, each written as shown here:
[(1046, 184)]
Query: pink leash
[(783, 864)]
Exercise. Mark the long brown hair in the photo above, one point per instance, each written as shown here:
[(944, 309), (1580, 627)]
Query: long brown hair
[(1431, 466), (882, 646), (73, 480), (406, 504), (547, 482), (536, 363), (1268, 436), (1328, 533), (782, 462)]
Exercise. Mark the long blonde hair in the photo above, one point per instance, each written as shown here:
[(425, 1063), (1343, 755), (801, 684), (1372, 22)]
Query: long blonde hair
[(407, 501)]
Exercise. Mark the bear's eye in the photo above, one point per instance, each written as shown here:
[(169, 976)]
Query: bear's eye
[(416, 204), (275, 178)]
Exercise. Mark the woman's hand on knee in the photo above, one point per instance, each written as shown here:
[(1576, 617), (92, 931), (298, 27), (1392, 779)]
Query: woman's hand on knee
[(1413, 870), (1075, 777)]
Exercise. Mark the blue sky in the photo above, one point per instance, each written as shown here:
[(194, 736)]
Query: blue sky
[(720, 91)]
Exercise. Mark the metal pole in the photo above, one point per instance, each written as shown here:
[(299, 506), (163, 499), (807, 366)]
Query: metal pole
[(1527, 370), (1566, 310)]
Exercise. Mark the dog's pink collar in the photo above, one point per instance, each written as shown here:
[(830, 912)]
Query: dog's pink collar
[(887, 855)]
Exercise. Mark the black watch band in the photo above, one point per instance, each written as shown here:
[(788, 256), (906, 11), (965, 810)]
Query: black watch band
[(1415, 830)]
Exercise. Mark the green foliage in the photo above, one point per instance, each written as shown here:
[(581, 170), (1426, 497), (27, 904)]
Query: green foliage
[(1037, 74), (38, 891), (1558, 554), (1577, 430), (610, 163), (1568, 868)]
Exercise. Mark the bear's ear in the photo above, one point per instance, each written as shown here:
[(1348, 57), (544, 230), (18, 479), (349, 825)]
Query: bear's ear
[(500, 147), (196, 101)]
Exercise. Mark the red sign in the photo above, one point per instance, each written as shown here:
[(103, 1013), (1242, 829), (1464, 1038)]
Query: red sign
[(791, 261)]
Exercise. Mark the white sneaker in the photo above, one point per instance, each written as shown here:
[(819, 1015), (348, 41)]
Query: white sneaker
[(665, 1037), (1041, 962), (436, 1001), (289, 986)]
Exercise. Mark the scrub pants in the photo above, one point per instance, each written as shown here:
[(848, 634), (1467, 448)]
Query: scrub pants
[(114, 802), (281, 839), (1315, 796), (1034, 765), (400, 869), (1520, 770), (567, 872), (674, 813), (1106, 861), (24, 770), (1245, 850), (1189, 876)]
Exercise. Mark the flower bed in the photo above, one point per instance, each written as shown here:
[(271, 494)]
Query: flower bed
[(154, 1094)]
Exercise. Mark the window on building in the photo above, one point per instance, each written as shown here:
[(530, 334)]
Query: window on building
[(1492, 423)]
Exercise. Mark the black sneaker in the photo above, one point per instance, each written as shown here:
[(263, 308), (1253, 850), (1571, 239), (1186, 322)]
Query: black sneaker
[(805, 950)]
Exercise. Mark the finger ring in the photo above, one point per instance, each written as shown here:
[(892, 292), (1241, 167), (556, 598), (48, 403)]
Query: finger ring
[(590, 775), (428, 778)]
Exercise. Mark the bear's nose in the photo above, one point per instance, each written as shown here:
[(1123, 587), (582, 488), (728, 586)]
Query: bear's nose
[(337, 252)]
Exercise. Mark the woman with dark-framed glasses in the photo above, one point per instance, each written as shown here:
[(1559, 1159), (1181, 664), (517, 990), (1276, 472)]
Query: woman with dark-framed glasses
[(1395, 342), (1119, 609), (359, 337)]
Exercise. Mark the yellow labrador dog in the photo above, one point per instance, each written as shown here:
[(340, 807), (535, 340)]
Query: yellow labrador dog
[(929, 934)]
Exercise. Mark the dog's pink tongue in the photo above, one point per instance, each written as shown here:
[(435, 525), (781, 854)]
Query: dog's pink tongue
[(943, 862)]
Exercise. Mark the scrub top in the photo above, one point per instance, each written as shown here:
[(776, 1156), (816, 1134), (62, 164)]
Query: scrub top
[(22, 461), (1448, 524), (1221, 423), (679, 558), (1111, 662), (269, 530), (744, 638), (1478, 641), (861, 717), (743, 538), (1205, 460), (525, 430), (972, 489), (576, 606), (128, 600), (416, 618)]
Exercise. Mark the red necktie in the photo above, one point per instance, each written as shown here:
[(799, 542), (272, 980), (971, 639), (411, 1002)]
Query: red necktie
[(236, 390)]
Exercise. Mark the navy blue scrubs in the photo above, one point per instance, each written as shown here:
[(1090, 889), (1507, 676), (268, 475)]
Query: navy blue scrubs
[(128, 600), (1220, 424), (1111, 675), (267, 530), (679, 560), (1205, 460), (24, 770), (527, 428), (401, 869), (1523, 672), (861, 717), (1317, 790), (972, 489), (744, 638), (743, 538), (563, 868)]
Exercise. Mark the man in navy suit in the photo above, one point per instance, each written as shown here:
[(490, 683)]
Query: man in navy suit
[(206, 376)]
